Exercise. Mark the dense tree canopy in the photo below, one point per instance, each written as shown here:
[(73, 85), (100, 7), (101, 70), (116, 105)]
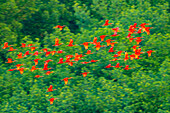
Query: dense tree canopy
[(144, 88)]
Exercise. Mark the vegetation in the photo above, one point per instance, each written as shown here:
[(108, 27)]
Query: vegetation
[(142, 89)]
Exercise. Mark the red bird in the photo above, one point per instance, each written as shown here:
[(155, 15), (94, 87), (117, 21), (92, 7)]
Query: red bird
[(132, 56), (45, 50), (98, 46), (27, 53), (33, 48), (60, 27), (20, 55), (10, 60), (129, 35), (69, 56), (50, 89), (57, 42), (102, 37), (71, 43), (114, 59), (89, 52), (93, 60), (127, 67), (119, 53), (61, 51), (18, 66), (147, 30), (49, 72), (84, 74), (94, 41), (111, 50), (107, 23), (38, 76), (6, 45), (134, 47), (67, 60), (139, 30), (47, 53), (116, 55), (29, 45), (33, 68), (131, 39), (53, 52), (66, 80), (138, 41), (115, 34), (117, 65), (70, 63), (11, 69), (36, 61), (23, 45), (126, 58), (131, 29), (61, 61), (47, 61), (85, 62), (108, 41), (109, 66), (21, 70), (150, 52), (52, 100), (36, 53), (113, 44), (46, 66), (115, 29), (85, 45), (12, 49)]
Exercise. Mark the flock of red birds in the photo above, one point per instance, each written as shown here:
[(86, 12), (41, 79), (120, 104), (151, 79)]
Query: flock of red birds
[(77, 57)]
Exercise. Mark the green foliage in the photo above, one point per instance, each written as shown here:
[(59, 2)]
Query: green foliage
[(142, 89)]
